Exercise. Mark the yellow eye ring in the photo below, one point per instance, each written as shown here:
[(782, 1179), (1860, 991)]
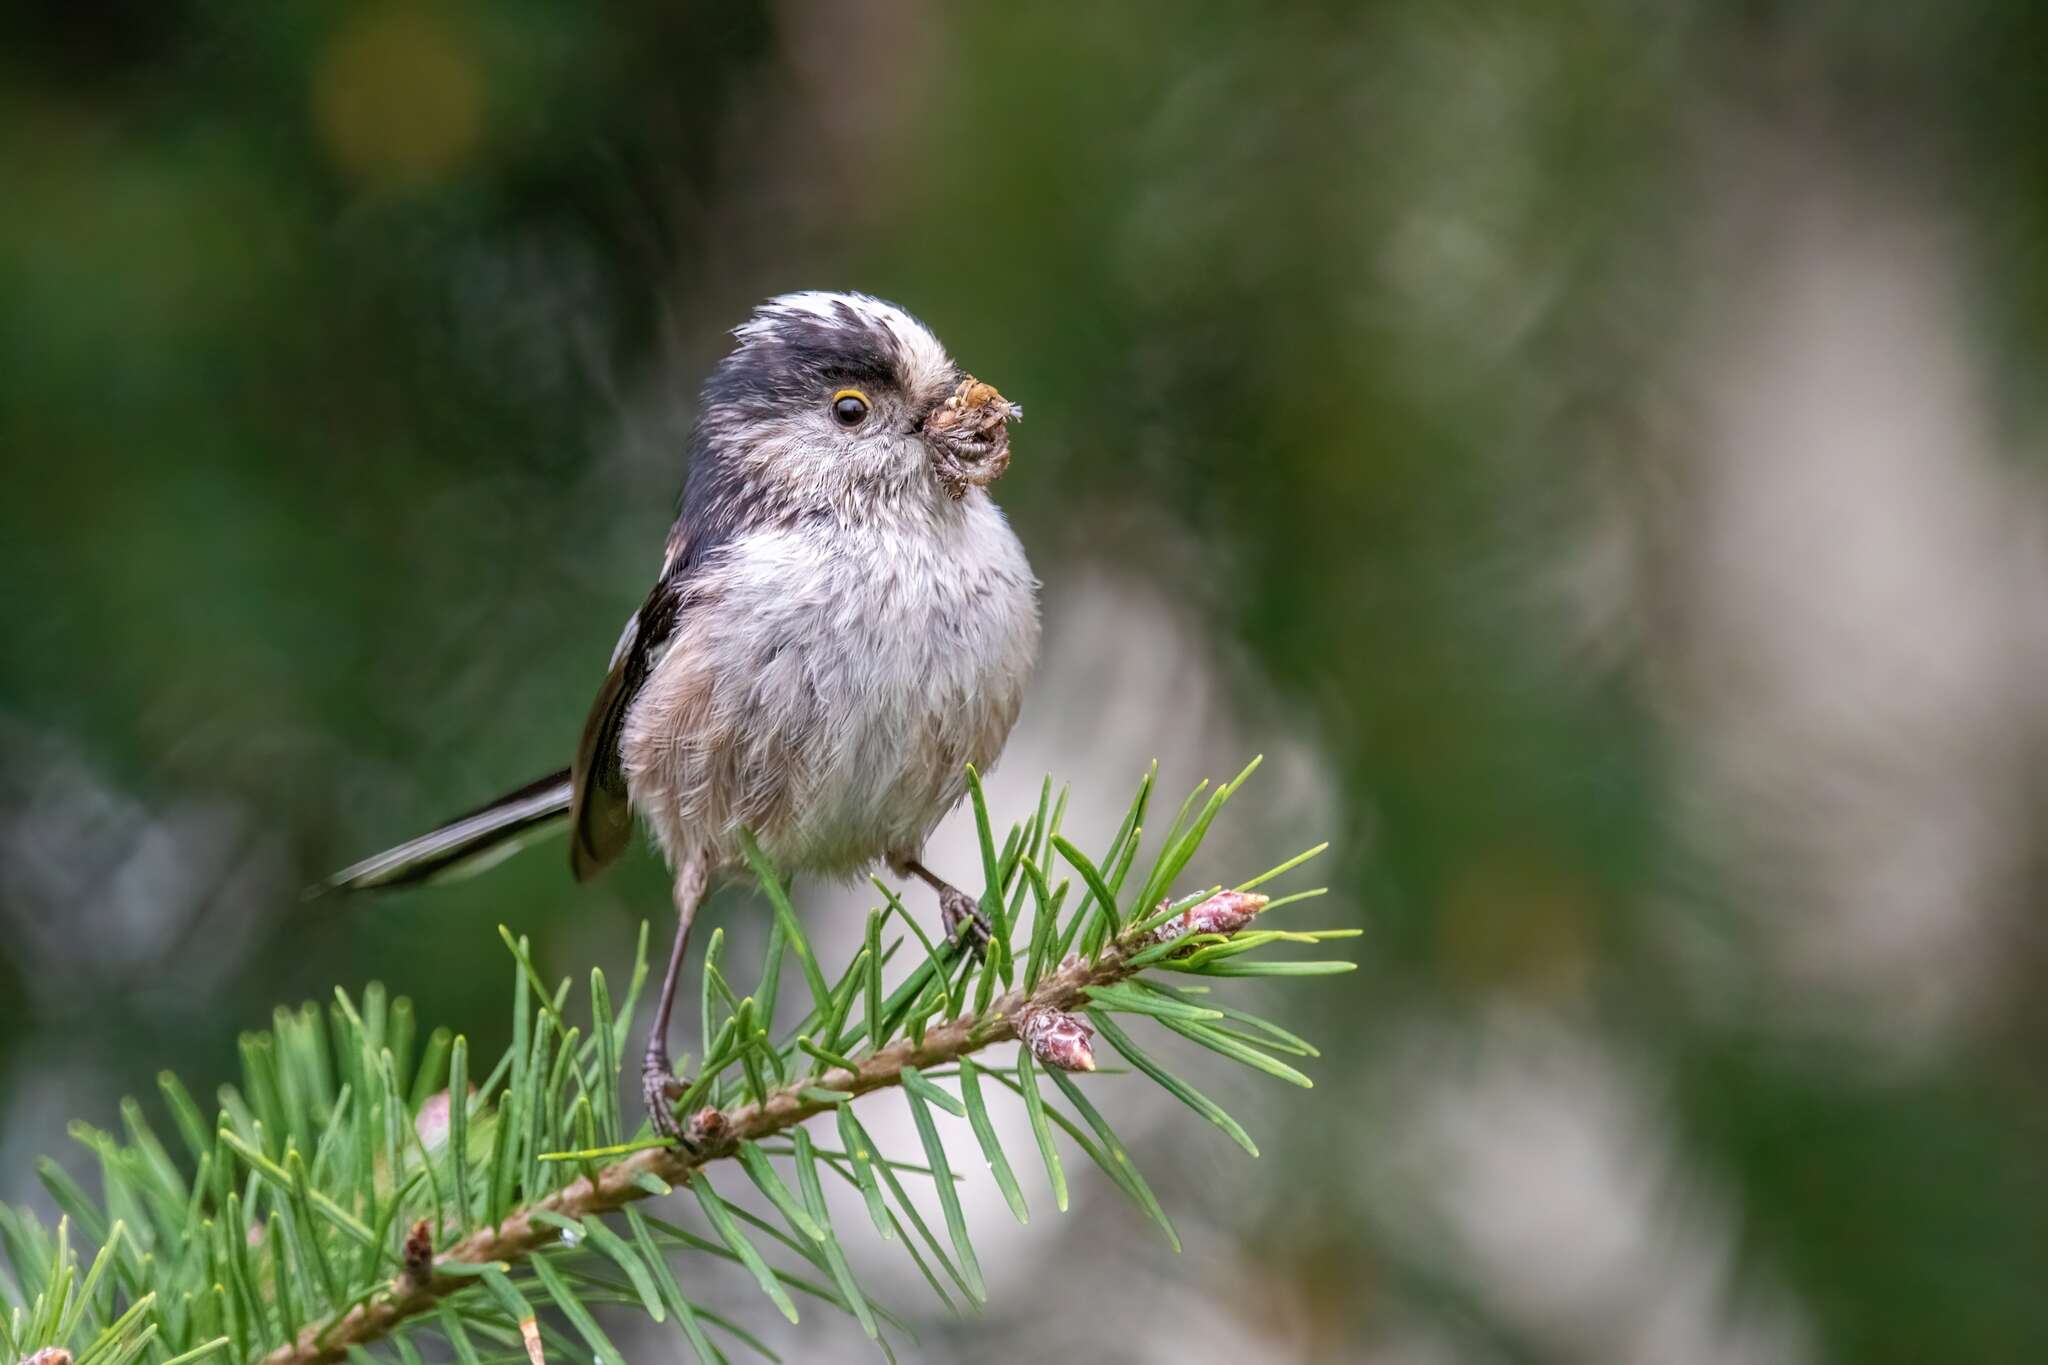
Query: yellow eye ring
[(849, 407)]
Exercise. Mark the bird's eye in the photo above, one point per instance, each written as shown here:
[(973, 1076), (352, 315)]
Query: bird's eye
[(849, 407)]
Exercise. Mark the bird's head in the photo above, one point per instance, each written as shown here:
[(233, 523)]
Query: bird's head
[(841, 399)]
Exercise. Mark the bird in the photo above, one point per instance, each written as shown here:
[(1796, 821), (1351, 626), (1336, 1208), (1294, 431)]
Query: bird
[(843, 623)]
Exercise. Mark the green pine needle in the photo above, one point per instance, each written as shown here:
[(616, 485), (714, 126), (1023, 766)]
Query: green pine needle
[(719, 1215), (1172, 1084), (785, 915), (985, 1134), (758, 1168), (573, 1308), (835, 1259), (949, 1197)]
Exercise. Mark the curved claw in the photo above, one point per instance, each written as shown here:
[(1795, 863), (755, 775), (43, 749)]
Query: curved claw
[(965, 925), (660, 1089)]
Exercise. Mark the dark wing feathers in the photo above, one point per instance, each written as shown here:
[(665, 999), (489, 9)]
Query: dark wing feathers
[(600, 820), (600, 814)]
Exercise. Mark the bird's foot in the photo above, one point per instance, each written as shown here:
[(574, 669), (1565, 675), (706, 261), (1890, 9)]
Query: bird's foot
[(964, 923), (660, 1088)]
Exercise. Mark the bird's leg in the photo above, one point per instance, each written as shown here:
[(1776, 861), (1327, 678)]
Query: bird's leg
[(961, 915), (659, 1086)]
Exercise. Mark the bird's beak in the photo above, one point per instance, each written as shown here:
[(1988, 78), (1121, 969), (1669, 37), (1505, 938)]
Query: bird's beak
[(969, 436)]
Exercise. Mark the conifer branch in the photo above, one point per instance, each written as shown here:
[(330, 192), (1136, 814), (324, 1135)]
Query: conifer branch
[(718, 1138), (363, 1188)]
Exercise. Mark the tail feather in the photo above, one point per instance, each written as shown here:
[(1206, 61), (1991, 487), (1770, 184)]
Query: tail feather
[(466, 845)]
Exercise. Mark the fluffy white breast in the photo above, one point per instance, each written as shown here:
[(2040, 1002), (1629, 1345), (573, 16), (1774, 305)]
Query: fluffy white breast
[(830, 681)]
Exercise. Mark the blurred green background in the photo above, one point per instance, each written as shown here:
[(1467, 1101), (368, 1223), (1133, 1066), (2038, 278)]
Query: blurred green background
[(1591, 448)]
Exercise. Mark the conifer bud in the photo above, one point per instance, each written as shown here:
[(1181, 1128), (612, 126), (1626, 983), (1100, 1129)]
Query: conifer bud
[(708, 1126), (418, 1257), (1058, 1039), (1226, 912)]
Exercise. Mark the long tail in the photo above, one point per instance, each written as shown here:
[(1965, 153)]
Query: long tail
[(465, 846)]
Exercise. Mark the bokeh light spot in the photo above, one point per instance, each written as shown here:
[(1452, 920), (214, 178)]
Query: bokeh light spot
[(397, 97)]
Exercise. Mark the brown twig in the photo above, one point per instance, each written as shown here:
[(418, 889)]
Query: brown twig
[(614, 1186)]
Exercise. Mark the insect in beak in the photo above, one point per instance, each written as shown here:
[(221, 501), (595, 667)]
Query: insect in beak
[(969, 436)]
